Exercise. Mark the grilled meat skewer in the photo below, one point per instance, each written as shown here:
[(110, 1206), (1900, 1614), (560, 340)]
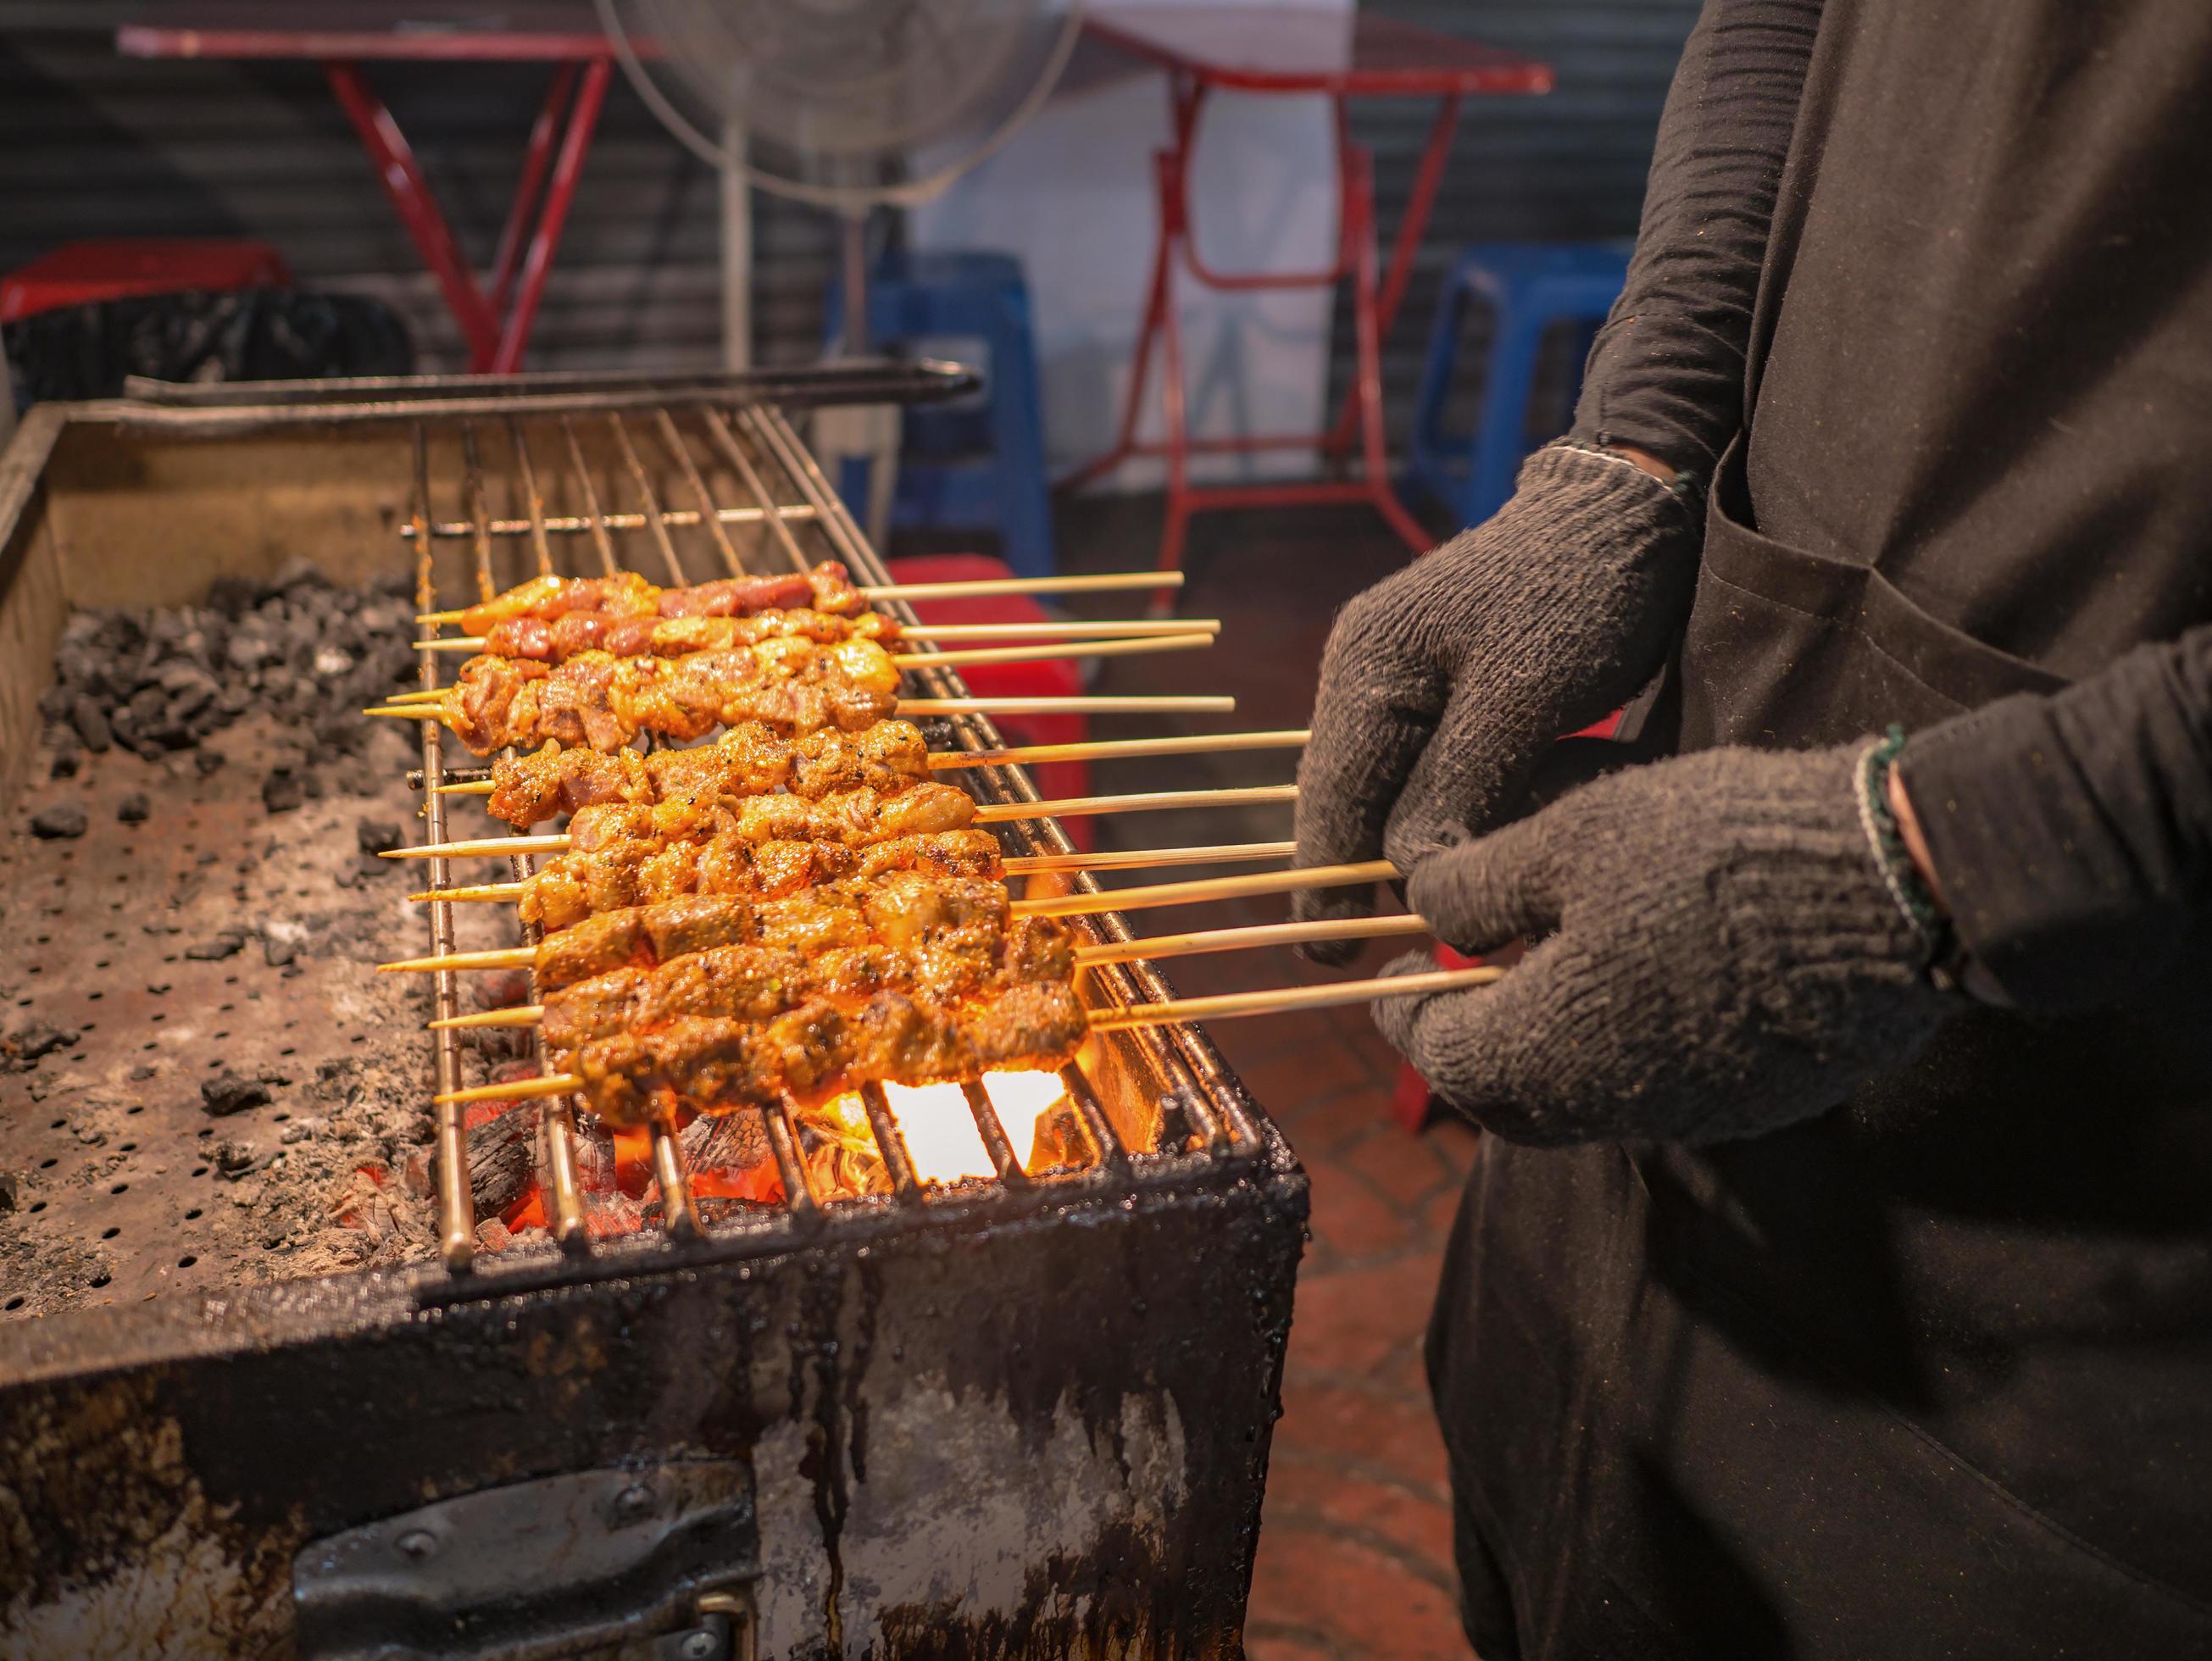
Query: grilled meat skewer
[(747, 760), (828, 588), (638, 871), (558, 639), (790, 685), (898, 909), (711, 1065)]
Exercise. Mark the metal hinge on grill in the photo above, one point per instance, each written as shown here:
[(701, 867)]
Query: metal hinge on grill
[(654, 1562)]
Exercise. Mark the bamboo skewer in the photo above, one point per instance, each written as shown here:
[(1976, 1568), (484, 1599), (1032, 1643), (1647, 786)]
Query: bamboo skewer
[(1180, 641), (1059, 905), (1038, 633), (1018, 865), (949, 761), (989, 813), (1206, 889), (1106, 583), (1084, 704), (1287, 998), (1225, 1006), (1158, 946), (1107, 952)]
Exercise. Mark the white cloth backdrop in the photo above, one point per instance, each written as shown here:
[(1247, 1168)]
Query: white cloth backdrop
[(1073, 196)]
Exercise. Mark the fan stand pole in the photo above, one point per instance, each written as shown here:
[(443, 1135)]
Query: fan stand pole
[(870, 431)]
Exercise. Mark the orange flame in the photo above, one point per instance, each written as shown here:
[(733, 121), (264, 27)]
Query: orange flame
[(940, 1132)]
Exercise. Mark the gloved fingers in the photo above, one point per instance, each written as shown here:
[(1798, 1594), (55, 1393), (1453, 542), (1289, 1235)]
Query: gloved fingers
[(1495, 1052), (1377, 701), (1483, 893), (1473, 760)]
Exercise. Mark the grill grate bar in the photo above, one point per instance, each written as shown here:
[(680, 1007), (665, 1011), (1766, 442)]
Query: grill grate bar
[(993, 1133), (457, 1222), (600, 540), (783, 1141), (890, 1142), (655, 519), (682, 452), (569, 525), (718, 428)]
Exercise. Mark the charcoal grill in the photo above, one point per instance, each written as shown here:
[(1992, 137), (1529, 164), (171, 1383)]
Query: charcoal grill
[(1009, 1416)]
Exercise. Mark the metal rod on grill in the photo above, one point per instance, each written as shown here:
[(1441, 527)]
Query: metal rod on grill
[(718, 430), (593, 516), (676, 446), (890, 1142), (993, 1133), (656, 522), (1091, 1113), (783, 1143), (577, 523), (456, 1207)]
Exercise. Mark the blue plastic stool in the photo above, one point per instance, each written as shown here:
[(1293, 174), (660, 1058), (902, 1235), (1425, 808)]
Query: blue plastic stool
[(978, 465), (1529, 287)]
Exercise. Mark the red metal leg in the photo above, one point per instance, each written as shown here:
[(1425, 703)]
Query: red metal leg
[(1399, 271), (1174, 418), (535, 160), (574, 144), (1367, 338), (410, 197)]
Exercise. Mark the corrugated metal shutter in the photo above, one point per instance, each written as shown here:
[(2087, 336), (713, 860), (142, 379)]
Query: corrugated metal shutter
[(93, 144), (1569, 167)]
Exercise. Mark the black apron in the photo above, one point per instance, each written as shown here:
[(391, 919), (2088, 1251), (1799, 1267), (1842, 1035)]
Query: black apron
[(1931, 1375)]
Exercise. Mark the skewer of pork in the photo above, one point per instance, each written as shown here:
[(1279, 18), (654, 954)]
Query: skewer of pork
[(573, 887), (529, 789), (659, 930), (707, 1064), (791, 686), (828, 588), (855, 818), (556, 640)]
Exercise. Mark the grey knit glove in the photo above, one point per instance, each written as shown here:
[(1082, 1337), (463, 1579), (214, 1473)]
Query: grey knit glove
[(1443, 685), (1729, 951)]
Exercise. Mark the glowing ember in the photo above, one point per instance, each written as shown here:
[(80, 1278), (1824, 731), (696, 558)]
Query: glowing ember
[(940, 1132), (1023, 1100)]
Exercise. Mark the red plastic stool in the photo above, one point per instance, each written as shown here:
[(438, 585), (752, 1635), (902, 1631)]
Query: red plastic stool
[(125, 268), (1054, 678)]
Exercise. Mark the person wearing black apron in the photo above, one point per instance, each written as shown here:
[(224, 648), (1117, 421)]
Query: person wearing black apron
[(1837, 1280)]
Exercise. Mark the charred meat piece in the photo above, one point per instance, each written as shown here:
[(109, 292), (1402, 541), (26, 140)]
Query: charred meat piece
[(747, 760), (793, 686), (828, 588), (714, 1064), (636, 872), (559, 639)]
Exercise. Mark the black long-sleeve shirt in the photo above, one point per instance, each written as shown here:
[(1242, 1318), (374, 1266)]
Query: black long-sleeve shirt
[(1964, 321)]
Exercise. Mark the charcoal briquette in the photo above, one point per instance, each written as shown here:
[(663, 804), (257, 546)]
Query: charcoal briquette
[(134, 808), (229, 1092), (63, 818), (282, 791), (90, 720)]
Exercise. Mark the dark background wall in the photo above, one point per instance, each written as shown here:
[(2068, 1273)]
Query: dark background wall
[(94, 144)]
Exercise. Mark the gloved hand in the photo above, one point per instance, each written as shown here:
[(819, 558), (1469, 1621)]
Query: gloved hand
[(1444, 684), (1730, 949)]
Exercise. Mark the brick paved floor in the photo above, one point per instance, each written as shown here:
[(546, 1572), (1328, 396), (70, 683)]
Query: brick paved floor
[(1355, 1550)]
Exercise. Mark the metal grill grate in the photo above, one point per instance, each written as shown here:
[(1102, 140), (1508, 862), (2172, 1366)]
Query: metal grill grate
[(790, 518)]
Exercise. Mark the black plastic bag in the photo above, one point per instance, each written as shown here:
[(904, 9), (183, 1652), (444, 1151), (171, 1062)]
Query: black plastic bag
[(252, 334)]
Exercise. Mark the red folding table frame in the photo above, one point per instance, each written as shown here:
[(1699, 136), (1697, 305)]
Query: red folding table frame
[(1339, 55), (495, 315)]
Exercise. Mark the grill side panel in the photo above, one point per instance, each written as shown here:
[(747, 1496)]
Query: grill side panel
[(983, 1441)]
